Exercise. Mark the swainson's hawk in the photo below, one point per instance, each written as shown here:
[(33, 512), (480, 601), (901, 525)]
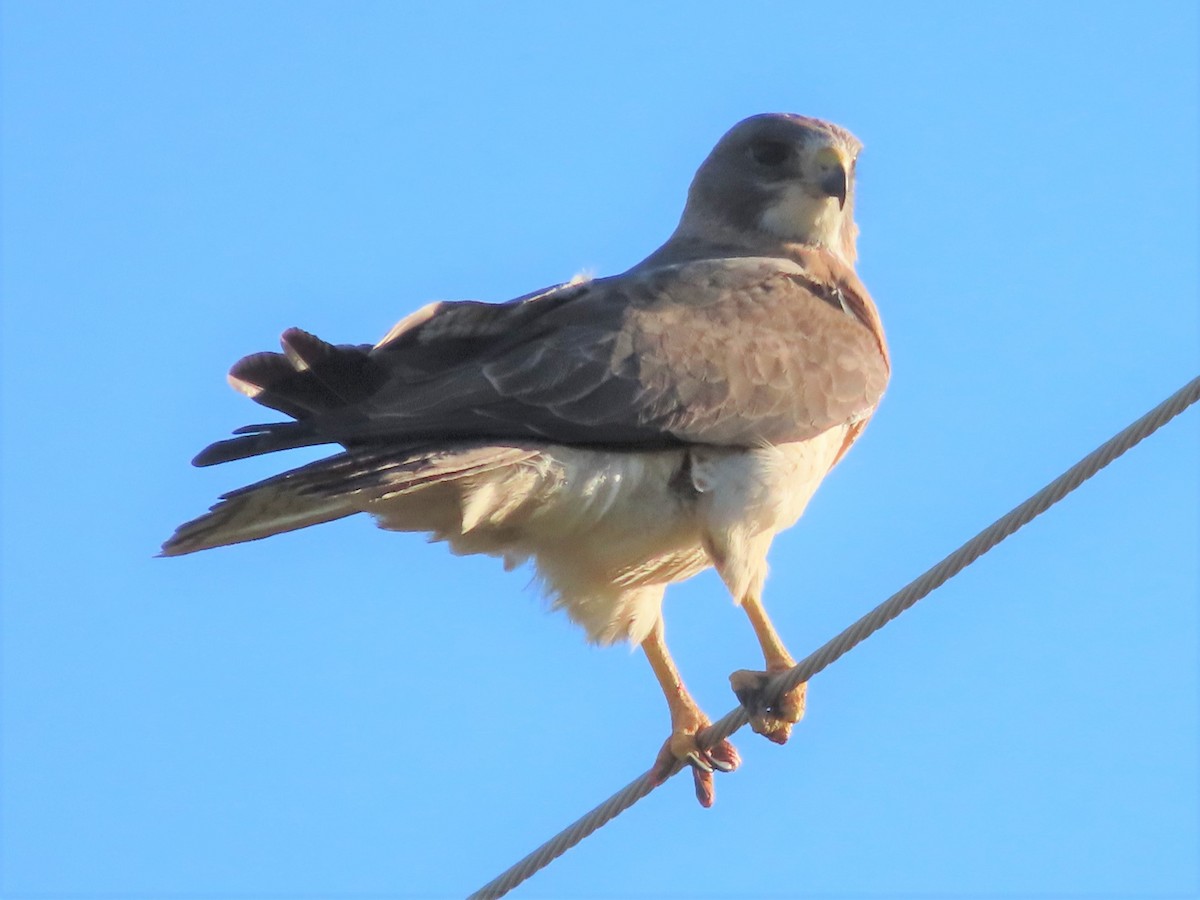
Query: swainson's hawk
[(622, 433)]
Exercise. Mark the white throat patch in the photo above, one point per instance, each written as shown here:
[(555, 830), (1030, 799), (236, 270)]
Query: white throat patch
[(798, 216)]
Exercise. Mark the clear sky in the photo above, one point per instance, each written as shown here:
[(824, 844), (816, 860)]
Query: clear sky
[(345, 712)]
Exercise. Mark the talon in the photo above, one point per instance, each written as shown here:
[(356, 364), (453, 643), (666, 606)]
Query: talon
[(772, 721), (682, 747), (696, 761), (687, 721), (724, 757)]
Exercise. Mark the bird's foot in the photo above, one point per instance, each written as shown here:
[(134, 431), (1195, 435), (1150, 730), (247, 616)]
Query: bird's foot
[(772, 721), (682, 746)]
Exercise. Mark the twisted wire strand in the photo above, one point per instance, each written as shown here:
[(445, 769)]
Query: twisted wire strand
[(862, 629)]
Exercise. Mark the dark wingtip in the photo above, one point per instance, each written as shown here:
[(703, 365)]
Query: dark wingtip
[(171, 546), (212, 455), (232, 449), (228, 450), (255, 440)]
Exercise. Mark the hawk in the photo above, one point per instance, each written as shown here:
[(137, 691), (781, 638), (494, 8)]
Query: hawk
[(621, 433)]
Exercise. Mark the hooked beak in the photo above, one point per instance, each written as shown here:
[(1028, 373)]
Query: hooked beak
[(833, 181)]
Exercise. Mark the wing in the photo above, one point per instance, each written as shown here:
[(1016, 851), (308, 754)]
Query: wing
[(739, 351)]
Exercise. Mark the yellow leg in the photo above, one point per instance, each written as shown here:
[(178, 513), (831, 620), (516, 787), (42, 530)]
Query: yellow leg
[(774, 653), (686, 716), (772, 721), (687, 720)]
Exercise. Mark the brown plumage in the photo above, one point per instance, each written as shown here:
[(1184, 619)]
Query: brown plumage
[(622, 433)]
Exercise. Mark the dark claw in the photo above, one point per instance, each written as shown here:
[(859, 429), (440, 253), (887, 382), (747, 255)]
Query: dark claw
[(724, 757), (696, 761), (721, 757)]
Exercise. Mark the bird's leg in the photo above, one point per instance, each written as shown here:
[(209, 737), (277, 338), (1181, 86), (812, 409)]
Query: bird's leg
[(687, 720), (772, 721)]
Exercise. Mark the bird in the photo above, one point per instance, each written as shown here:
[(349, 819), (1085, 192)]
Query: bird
[(620, 433)]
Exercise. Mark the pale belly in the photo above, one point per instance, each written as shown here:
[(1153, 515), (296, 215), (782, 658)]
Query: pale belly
[(607, 531)]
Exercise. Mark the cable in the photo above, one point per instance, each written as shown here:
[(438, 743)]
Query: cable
[(856, 633)]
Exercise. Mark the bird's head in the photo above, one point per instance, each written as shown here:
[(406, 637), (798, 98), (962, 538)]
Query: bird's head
[(777, 177)]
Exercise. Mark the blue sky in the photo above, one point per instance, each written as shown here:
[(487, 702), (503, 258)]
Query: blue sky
[(344, 712)]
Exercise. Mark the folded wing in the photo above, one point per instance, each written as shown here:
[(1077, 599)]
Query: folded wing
[(734, 352)]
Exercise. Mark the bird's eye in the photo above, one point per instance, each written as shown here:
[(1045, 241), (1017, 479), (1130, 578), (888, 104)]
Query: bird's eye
[(770, 153)]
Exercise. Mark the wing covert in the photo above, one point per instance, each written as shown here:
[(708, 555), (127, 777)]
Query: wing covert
[(724, 351)]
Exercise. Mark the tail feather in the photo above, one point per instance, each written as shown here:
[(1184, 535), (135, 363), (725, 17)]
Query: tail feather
[(260, 511), (309, 495), (340, 486), (310, 376), (255, 440)]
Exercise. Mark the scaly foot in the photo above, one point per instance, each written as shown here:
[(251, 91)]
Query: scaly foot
[(683, 747), (772, 721)]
